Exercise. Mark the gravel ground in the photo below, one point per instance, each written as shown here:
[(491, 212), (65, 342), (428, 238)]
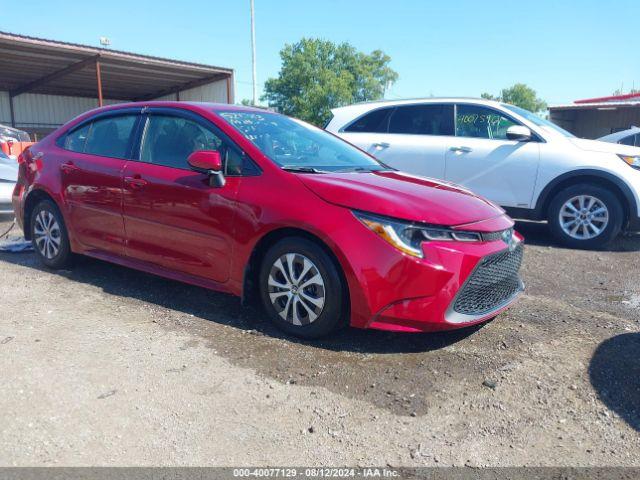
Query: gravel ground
[(102, 365)]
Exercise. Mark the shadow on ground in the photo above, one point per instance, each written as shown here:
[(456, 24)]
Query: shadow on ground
[(226, 309), (614, 372), (404, 373)]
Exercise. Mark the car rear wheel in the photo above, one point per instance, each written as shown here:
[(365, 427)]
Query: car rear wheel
[(585, 216), (301, 289), (49, 235)]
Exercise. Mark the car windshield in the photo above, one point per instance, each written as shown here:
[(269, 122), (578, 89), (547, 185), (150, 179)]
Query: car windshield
[(297, 146), (536, 120)]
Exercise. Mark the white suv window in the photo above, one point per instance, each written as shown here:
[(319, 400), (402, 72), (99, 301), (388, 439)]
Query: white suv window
[(429, 119), (476, 121), (422, 120), (372, 122)]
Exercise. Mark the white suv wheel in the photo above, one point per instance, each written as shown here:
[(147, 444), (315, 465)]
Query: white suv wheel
[(584, 217)]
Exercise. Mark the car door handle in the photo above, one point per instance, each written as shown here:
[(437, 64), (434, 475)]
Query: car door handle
[(461, 149), (381, 145), (68, 167), (135, 183)]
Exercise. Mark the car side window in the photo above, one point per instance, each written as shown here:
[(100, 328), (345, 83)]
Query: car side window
[(476, 121), (75, 140), (237, 163), (111, 136), (628, 140), (422, 120), (373, 122), (169, 140)]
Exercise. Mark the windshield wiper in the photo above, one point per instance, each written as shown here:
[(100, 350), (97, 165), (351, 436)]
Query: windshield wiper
[(299, 169), (355, 169)]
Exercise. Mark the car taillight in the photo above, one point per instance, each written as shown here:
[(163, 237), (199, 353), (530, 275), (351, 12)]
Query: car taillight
[(30, 163)]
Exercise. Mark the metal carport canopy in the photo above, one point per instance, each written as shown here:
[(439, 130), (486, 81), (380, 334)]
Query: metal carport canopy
[(35, 65)]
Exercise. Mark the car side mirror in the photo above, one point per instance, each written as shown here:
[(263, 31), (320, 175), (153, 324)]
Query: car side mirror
[(208, 162), (519, 133)]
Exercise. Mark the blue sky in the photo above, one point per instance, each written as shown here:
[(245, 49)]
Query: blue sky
[(564, 50)]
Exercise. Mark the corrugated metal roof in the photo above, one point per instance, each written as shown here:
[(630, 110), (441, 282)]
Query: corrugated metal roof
[(47, 66), (107, 51)]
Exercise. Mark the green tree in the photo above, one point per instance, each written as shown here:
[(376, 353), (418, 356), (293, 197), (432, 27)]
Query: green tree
[(521, 96), (318, 75)]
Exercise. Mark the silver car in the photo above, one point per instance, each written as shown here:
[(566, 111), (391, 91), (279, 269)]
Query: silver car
[(8, 178), (629, 137)]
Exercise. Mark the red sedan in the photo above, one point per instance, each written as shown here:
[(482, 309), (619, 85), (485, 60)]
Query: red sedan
[(260, 205)]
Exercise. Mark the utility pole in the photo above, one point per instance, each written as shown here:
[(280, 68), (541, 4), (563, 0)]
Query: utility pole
[(253, 55)]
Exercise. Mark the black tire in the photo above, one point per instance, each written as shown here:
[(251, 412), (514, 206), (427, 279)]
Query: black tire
[(610, 201), (334, 311), (63, 256)]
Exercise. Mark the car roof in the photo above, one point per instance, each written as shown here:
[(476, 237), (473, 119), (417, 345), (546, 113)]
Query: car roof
[(216, 107), (365, 106), (206, 106)]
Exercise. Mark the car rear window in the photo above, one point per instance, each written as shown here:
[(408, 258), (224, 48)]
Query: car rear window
[(373, 122), (75, 140), (106, 137), (110, 137), (422, 120)]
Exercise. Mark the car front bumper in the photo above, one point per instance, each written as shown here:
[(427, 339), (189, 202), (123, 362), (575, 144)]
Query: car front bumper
[(393, 291), (469, 296)]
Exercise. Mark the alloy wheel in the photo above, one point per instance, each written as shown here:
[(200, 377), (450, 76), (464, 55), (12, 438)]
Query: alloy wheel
[(296, 289), (584, 217), (47, 234)]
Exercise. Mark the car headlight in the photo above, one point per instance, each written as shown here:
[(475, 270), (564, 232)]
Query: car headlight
[(632, 161), (408, 236)]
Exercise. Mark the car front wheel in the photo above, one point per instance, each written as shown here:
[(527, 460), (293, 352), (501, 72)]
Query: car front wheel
[(301, 289), (585, 216)]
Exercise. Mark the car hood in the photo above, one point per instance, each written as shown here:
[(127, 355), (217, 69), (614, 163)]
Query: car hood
[(8, 170), (605, 147), (404, 196)]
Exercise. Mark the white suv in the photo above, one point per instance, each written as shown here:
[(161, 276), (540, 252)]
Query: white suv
[(588, 190)]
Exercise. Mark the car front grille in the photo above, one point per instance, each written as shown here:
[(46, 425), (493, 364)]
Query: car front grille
[(493, 282)]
